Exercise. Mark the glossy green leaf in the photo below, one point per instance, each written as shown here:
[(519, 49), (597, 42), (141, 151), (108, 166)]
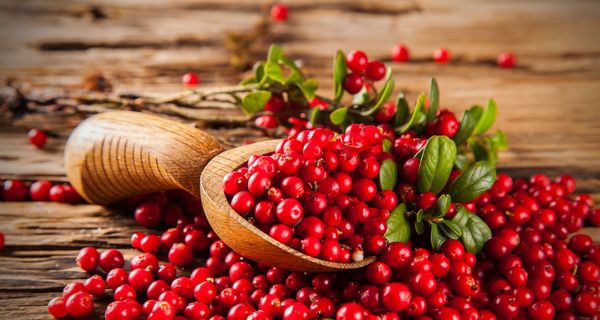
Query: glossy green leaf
[(419, 227), (386, 145), (487, 118), (275, 53), (255, 101), (398, 229), (417, 112), (309, 87), (338, 116), (315, 114), (273, 72), (452, 226), (474, 181), (437, 237), (339, 74), (469, 120), (402, 111), (462, 162), (475, 232), (385, 93), (434, 100), (436, 164), (292, 65), (441, 206), (388, 174)]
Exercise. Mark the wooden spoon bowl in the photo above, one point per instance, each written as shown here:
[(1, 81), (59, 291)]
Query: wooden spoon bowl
[(115, 155)]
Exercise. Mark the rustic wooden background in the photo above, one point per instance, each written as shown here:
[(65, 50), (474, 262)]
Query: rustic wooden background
[(548, 104)]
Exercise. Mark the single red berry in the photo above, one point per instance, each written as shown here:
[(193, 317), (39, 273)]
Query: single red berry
[(353, 83), (276, 103), (94, 285), (426, 200), (296, 311), (37, 138), (180, 255), (395, 296), (148, 214), (242, 202), (441, 55), (14, 190), (80, 305), (379, 273), (357, 61), (190, 79), (124, 292), (506, 60), (118, 310), (400, 53), (397, 254), (57, 307), (111, 259), (350, 311), (375, 70), (289, 211), (40, 190), (88, 259), (279, 12), (116, 277), (423, 283), (386, 112)]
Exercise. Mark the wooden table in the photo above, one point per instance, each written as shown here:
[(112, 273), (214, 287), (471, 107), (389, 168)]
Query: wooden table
[(548, 104)]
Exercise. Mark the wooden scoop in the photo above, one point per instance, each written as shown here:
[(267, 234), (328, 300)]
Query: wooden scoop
[(115, 155)]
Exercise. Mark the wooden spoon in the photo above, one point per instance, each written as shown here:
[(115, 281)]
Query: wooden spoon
[(115, 155)]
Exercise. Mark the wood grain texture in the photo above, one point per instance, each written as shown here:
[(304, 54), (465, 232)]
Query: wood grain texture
[(115, 155), (239, 234), (546, 105)]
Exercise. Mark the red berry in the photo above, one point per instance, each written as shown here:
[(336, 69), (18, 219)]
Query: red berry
[(275, 103), (40, 190), (57, 307), (80, 305), (266, 122), (94, 285), (375, 70), (289, 211), (118, 310), (180, 255), (585, 304), (378, 273), (397, 255), (124, 292), (353, 83), (506, 60), (296, 311), (400, 53), (190, 79), (542, 310), (37, 138), (357, 61), (88, 258), (441, 55), (279, 12), (148, 214), (14, 190), (242, 202), (426, 200), (111, 259), (395, 296), (350, 311)]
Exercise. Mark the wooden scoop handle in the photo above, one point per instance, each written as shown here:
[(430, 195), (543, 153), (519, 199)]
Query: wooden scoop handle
[(115, 155)]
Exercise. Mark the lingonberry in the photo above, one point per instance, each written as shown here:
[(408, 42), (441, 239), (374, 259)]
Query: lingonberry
[(400, 53), (180, 255), (588, 271), (453, 249), (364, 189), (397, 255), (330, 250), (162, 310), (423, 283), (125, 291), (14, 190), (37, 138), (540, 288), (322, 308), (57, 307), (441, 55), (279, 12), (353, 83), (118, 310), (378, 273), (350, 311), (281, 233), (88, 259), (465, 285), (395, 296), (111, 259), (506, 60), (140, 279), (289, 211), (242, 202), (585, 304), (426, 200), (94, 285), (156, 288), (314, 202), (561, 300), (357, 61), (505, 306), (375, 70), (190, 79), (266, 122), (80, 305), (148, 214), (524, 296), (40, 190)]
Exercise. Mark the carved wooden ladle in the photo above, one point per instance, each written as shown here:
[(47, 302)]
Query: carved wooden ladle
[(115, 155)]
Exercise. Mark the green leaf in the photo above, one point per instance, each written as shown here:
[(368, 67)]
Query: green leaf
[(480, 151), (398, 229), (386, 145), (420, 215), (462, 162), (475, 232), (338, 116), (385, 93), (255, 101), (315, 113), (437, 238), (469, 120), (292, 65), (402, 110), (474, 181), (487, 118), (499, 140), (419, 227), (453, 227), (275, 53), (441, 206), (273, 72), (436, 164), (339, 74), (308, 88), (388, 175), (434, 99), (415, 115)]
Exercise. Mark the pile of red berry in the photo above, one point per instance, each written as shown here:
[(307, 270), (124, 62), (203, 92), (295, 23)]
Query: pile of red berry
[(42, 190), (317, 192)]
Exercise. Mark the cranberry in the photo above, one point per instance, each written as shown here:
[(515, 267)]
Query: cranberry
[(453, 249), (585, 304), (505, 306), (289, 211), (395, 296), (37, 138), (281, 233), (180, 255), (375, 70), (88, 258), (397, 255), (118, 310), (465, 285), (350, 311), (426, 200), (423, 283), (353, 83), (94, 285), (40, 190), (190, 79), (14, 190), (150, 243), (279, 12), (296, 311), (80, 305), (357, 61), (111, 259), (242, 202), (400, 53), (506, 60), (441, 55), (364, 189), (57, 307)]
